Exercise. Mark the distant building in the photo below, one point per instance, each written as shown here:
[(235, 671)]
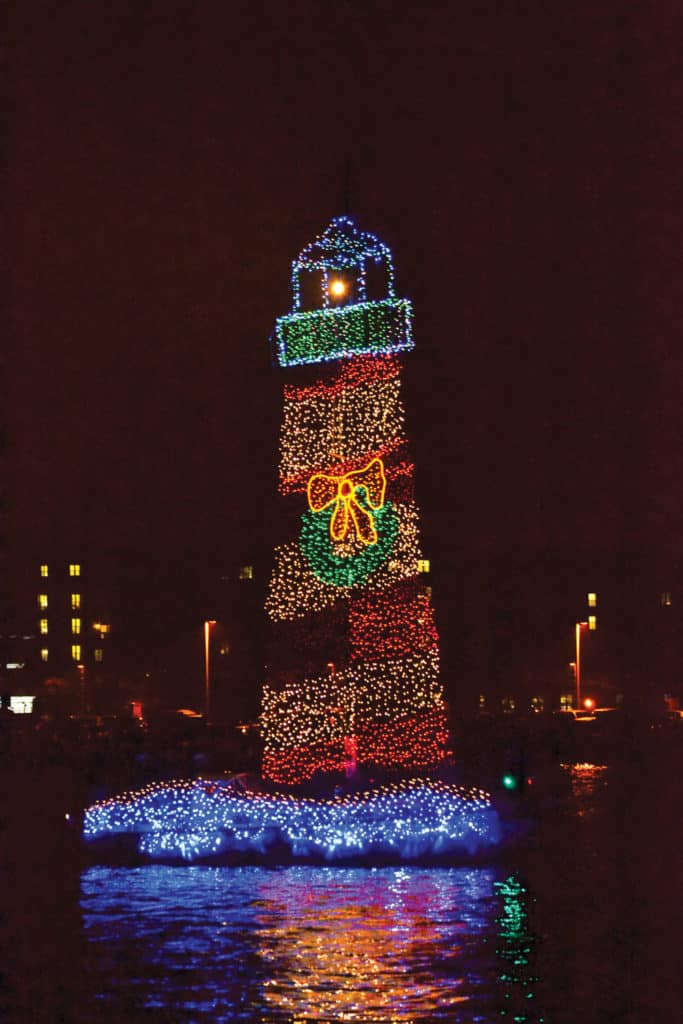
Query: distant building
[(69, 632)]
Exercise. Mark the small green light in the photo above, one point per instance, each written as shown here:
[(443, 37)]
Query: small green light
[(509, 781)]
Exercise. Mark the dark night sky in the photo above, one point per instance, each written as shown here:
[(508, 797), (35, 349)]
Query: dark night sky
[(167, 161)]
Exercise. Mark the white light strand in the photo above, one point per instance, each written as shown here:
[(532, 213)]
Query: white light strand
[(322, 709), (200, 819), (320, 432)]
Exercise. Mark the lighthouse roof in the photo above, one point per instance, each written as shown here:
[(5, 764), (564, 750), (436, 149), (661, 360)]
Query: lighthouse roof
[(341, 245)]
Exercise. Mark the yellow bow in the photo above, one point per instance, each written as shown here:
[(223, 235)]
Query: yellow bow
[(323, 490)]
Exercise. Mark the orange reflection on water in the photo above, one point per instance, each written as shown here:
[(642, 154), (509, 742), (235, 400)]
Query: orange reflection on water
[(587, 780), (362, 947)]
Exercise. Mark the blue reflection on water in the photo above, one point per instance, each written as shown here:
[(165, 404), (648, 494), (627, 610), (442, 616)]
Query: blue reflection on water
[(294, 944)]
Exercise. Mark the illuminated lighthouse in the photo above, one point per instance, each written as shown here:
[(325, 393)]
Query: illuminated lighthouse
[(353, 667)]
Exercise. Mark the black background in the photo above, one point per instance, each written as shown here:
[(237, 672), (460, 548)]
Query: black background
[(165, 163)]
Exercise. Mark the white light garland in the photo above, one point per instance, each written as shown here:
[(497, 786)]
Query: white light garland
[(196, 820), (327, 432), (322, 709)]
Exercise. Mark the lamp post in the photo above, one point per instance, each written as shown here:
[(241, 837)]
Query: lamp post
[(579, 627), (207, 667)]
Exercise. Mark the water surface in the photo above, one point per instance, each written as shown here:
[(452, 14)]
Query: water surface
[(581, 922), (300, 943)]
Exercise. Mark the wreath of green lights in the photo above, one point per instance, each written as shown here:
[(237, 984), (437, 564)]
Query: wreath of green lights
[(353, 570)]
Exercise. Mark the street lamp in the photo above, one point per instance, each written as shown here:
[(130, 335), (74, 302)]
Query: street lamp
[(579, 626), (207, 674)]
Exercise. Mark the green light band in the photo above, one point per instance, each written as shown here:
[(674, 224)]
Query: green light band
[(366, 328)]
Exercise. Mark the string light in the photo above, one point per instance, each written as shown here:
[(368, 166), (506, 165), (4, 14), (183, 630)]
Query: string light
[(340, 430), (323, 336), (295, 590), (355, 497), (392, 623), (390, 454), (351, 374), (341, 256), (374, 624), (354, 566), (341, 247), (403, 744), (350, 564), (394, 709), (348, 585), (329, 706), (198, 820)]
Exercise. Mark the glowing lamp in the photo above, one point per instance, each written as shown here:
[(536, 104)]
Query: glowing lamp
[(589, 703), (509, 781), (337, 287)]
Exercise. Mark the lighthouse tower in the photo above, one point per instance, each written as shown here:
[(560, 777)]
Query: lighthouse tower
[(353, 664)]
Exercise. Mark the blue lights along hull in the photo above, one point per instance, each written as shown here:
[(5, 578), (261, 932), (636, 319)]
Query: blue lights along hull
[(203, 821)]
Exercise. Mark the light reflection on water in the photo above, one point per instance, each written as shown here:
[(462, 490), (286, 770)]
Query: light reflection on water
[(299, 943), (588, 781)]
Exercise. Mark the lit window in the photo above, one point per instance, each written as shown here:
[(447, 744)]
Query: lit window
[(43, 653), (99, 654), (74, 570), (592, 600), (75, 625), (43, 626), (423, 565), (42, 600), (21, 705), (247, 572), (75, 602), (592, 622), (76, 652), (566, 701), (43, 570), (101, 627)]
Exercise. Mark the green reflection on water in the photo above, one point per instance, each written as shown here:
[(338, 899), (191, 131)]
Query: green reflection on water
[(515, 948)]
